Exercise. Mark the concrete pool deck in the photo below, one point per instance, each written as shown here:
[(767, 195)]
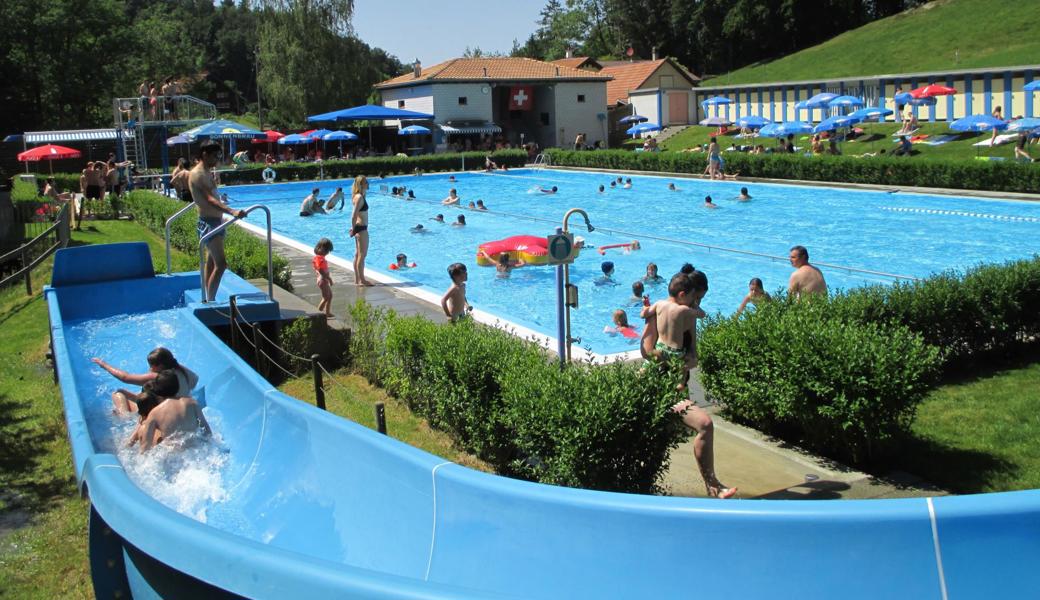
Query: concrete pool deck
[(762, 467)]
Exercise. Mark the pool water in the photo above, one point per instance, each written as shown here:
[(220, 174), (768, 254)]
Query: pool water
[(887, 232)]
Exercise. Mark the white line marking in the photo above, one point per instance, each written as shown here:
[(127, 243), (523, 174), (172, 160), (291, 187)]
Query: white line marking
[(938, 550), (433, 533)]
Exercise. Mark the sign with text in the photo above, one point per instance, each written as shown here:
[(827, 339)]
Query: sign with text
[(521, 97)]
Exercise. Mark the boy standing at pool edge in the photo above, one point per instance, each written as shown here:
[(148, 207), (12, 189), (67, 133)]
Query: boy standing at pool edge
[(454, 302), (671, 331)]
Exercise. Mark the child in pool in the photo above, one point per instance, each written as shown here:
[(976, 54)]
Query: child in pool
[(505, 265), (460, 222), (608, 274), (621, 326), (438, 219), (321, 269), (402, 263), (651, 274), (159, 360), (637, 294), (164, 414)]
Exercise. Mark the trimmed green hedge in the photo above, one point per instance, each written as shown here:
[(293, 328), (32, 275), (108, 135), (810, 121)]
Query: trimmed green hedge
[(389, 165), (1004, 176), (246, 254), (605, 427), (841, 388), (844, 374)]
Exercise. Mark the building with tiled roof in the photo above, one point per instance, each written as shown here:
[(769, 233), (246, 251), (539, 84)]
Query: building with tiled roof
[(519, 99), (579, 62), (659, 89)]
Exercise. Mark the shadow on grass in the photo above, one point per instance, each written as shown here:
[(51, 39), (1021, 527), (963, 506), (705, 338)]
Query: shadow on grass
[(958, 470), (23, 481), (988, 366)]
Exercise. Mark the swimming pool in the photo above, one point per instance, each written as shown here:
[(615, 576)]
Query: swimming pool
[(861, 233)]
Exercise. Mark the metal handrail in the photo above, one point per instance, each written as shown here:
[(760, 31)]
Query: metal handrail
[(220, 228), (169, 222)]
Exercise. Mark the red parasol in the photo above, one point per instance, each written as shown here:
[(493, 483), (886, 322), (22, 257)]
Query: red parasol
[(932, 90), (49, 153), (270, 136)]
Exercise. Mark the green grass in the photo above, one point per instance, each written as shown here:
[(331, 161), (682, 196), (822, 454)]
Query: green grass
[(980, 436), (876, 136), (939, 36)]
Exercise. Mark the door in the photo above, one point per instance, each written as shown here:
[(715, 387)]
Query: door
[(678, 108)]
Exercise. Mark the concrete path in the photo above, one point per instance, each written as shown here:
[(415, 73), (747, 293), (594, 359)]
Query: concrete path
[(760, 466)]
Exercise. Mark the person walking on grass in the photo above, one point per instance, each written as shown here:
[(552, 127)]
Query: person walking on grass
[(211, 215), (321, 267)]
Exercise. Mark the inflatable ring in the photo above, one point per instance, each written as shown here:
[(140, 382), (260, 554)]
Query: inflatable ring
[(269, 175), (396, 267)]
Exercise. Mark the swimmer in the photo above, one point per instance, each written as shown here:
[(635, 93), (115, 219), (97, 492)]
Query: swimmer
[(744, 196), (411, 195), (708, 203), (163, 414), (651, 275), (687, 269), (480, 205), (159, 360), (551, 190), (608, 274), (402, 262), (637, 294), (471, 205), (451, 178), (621, 326), (336, 199), (394, 191), (613, 185), (460, 222), (438, 219), (452, 198), (417, 172), (672, 188), (620, 179), (628, 184), (418, 229), (579, 242), (756, 293), (601, 188), (505, 265)]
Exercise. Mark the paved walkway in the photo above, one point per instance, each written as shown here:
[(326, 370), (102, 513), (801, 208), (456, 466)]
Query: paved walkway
[(760, 466)]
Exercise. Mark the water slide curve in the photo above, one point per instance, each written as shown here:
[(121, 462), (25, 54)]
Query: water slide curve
[(320, 507)]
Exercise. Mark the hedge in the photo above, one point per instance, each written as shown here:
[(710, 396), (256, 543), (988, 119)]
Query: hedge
[(840, 388), (1004, 176), (337, 169), (246, 254), (28, 197), (606, 427)]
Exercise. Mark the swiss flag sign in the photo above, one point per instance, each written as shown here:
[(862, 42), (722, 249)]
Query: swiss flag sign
[(521, 97)]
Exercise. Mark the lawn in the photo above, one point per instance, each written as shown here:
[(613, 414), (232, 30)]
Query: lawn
[(943, 35), (876, 136), (45, 556)]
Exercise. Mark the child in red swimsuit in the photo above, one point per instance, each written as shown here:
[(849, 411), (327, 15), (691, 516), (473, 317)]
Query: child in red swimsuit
[(321, 267)]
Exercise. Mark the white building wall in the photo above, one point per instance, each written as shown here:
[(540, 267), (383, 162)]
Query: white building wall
[(446, 105), (646, 105), (573, 117), (416, 98)]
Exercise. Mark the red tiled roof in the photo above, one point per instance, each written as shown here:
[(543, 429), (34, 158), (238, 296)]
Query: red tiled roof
[(631, 76), (491, 69), (578, 62)]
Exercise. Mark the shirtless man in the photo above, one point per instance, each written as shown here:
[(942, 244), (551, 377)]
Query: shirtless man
[(336, 199), (162, 417), (671, 332), (211, 215), (806, 278), (452, 199)]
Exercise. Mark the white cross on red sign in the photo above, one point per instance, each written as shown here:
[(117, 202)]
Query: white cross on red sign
[(520, 98)]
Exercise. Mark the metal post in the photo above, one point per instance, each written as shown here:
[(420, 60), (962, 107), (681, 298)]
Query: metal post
[(256, 351), (319, 389), (567, 310), (28, 272), (381, 417), (561, 328), (233, 317)]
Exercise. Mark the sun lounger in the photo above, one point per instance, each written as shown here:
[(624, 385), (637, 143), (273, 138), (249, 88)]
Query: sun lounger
[(907, 133), (1001, 139)]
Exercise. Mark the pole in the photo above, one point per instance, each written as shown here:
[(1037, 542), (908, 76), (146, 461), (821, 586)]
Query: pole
[(28, 271), (232, 318), (561, 328), (259, 113), (256, 349), (319, 389), (567, 309), (381, 417)]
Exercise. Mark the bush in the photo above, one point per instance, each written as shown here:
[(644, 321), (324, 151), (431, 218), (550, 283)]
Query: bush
[(305, 337), (246, 255), (389, 165), (603, 427), (840, 387), (1006, 176)]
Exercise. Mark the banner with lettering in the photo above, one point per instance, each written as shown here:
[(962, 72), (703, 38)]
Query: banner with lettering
[(521, 97)]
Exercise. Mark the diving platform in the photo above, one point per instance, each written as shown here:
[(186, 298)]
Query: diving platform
[(135, 118)]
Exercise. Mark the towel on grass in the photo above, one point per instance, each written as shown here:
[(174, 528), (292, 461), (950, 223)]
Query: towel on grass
[(1000, 139), (942, 139), (907, 133)]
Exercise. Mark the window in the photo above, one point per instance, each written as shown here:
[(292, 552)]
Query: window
[(581, 97), (544, 118), (463, 101), (400, 104), (667, 81)]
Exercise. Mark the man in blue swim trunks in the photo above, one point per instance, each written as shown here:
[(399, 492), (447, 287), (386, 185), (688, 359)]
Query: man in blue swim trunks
[(211, 214)]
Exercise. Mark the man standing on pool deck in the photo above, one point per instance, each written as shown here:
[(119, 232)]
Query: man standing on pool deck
[(211, 214), (806, 278)]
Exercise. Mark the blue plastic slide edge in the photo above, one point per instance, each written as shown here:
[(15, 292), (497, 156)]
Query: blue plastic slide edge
[(106, 262)]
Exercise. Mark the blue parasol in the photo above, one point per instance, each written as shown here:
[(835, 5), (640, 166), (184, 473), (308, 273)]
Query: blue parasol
[(339, 136), (715, 121), (871, 112), (414, 130), (222, 129), (633, 119), (177, 140), (716, 100), (1032, 86), (794, 127), (835, 122), (294, 139), (821, 100), (643, 128), (770, 130), (978, 123), (752, 122), (1027, 124), (845, 101)]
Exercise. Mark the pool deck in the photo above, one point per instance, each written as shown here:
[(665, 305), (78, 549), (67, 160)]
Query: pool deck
[(762, 467)]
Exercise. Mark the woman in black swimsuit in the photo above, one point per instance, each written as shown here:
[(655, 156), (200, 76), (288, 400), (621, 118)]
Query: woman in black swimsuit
[(359, 228)]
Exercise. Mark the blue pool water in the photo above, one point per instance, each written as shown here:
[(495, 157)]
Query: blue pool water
[(899, 233)]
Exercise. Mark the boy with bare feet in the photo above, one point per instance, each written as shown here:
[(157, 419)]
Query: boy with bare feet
[(671, 332), (454, 302)]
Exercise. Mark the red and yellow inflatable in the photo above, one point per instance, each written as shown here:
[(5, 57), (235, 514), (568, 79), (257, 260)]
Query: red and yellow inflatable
[(529, 248)]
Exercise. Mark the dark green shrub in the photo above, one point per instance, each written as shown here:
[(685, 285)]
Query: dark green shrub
[(305, 337), (842, 388), (373, 166), (1007, 176), (593, 426), (246, 254), (367, 340)]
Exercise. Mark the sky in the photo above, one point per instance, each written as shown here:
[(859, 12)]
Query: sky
[(435, 30)]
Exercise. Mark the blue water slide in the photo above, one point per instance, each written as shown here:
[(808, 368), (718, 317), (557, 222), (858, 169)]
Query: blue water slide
[(316, 506)]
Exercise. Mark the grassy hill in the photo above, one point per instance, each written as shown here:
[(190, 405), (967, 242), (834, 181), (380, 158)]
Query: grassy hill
[(939, 36)]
